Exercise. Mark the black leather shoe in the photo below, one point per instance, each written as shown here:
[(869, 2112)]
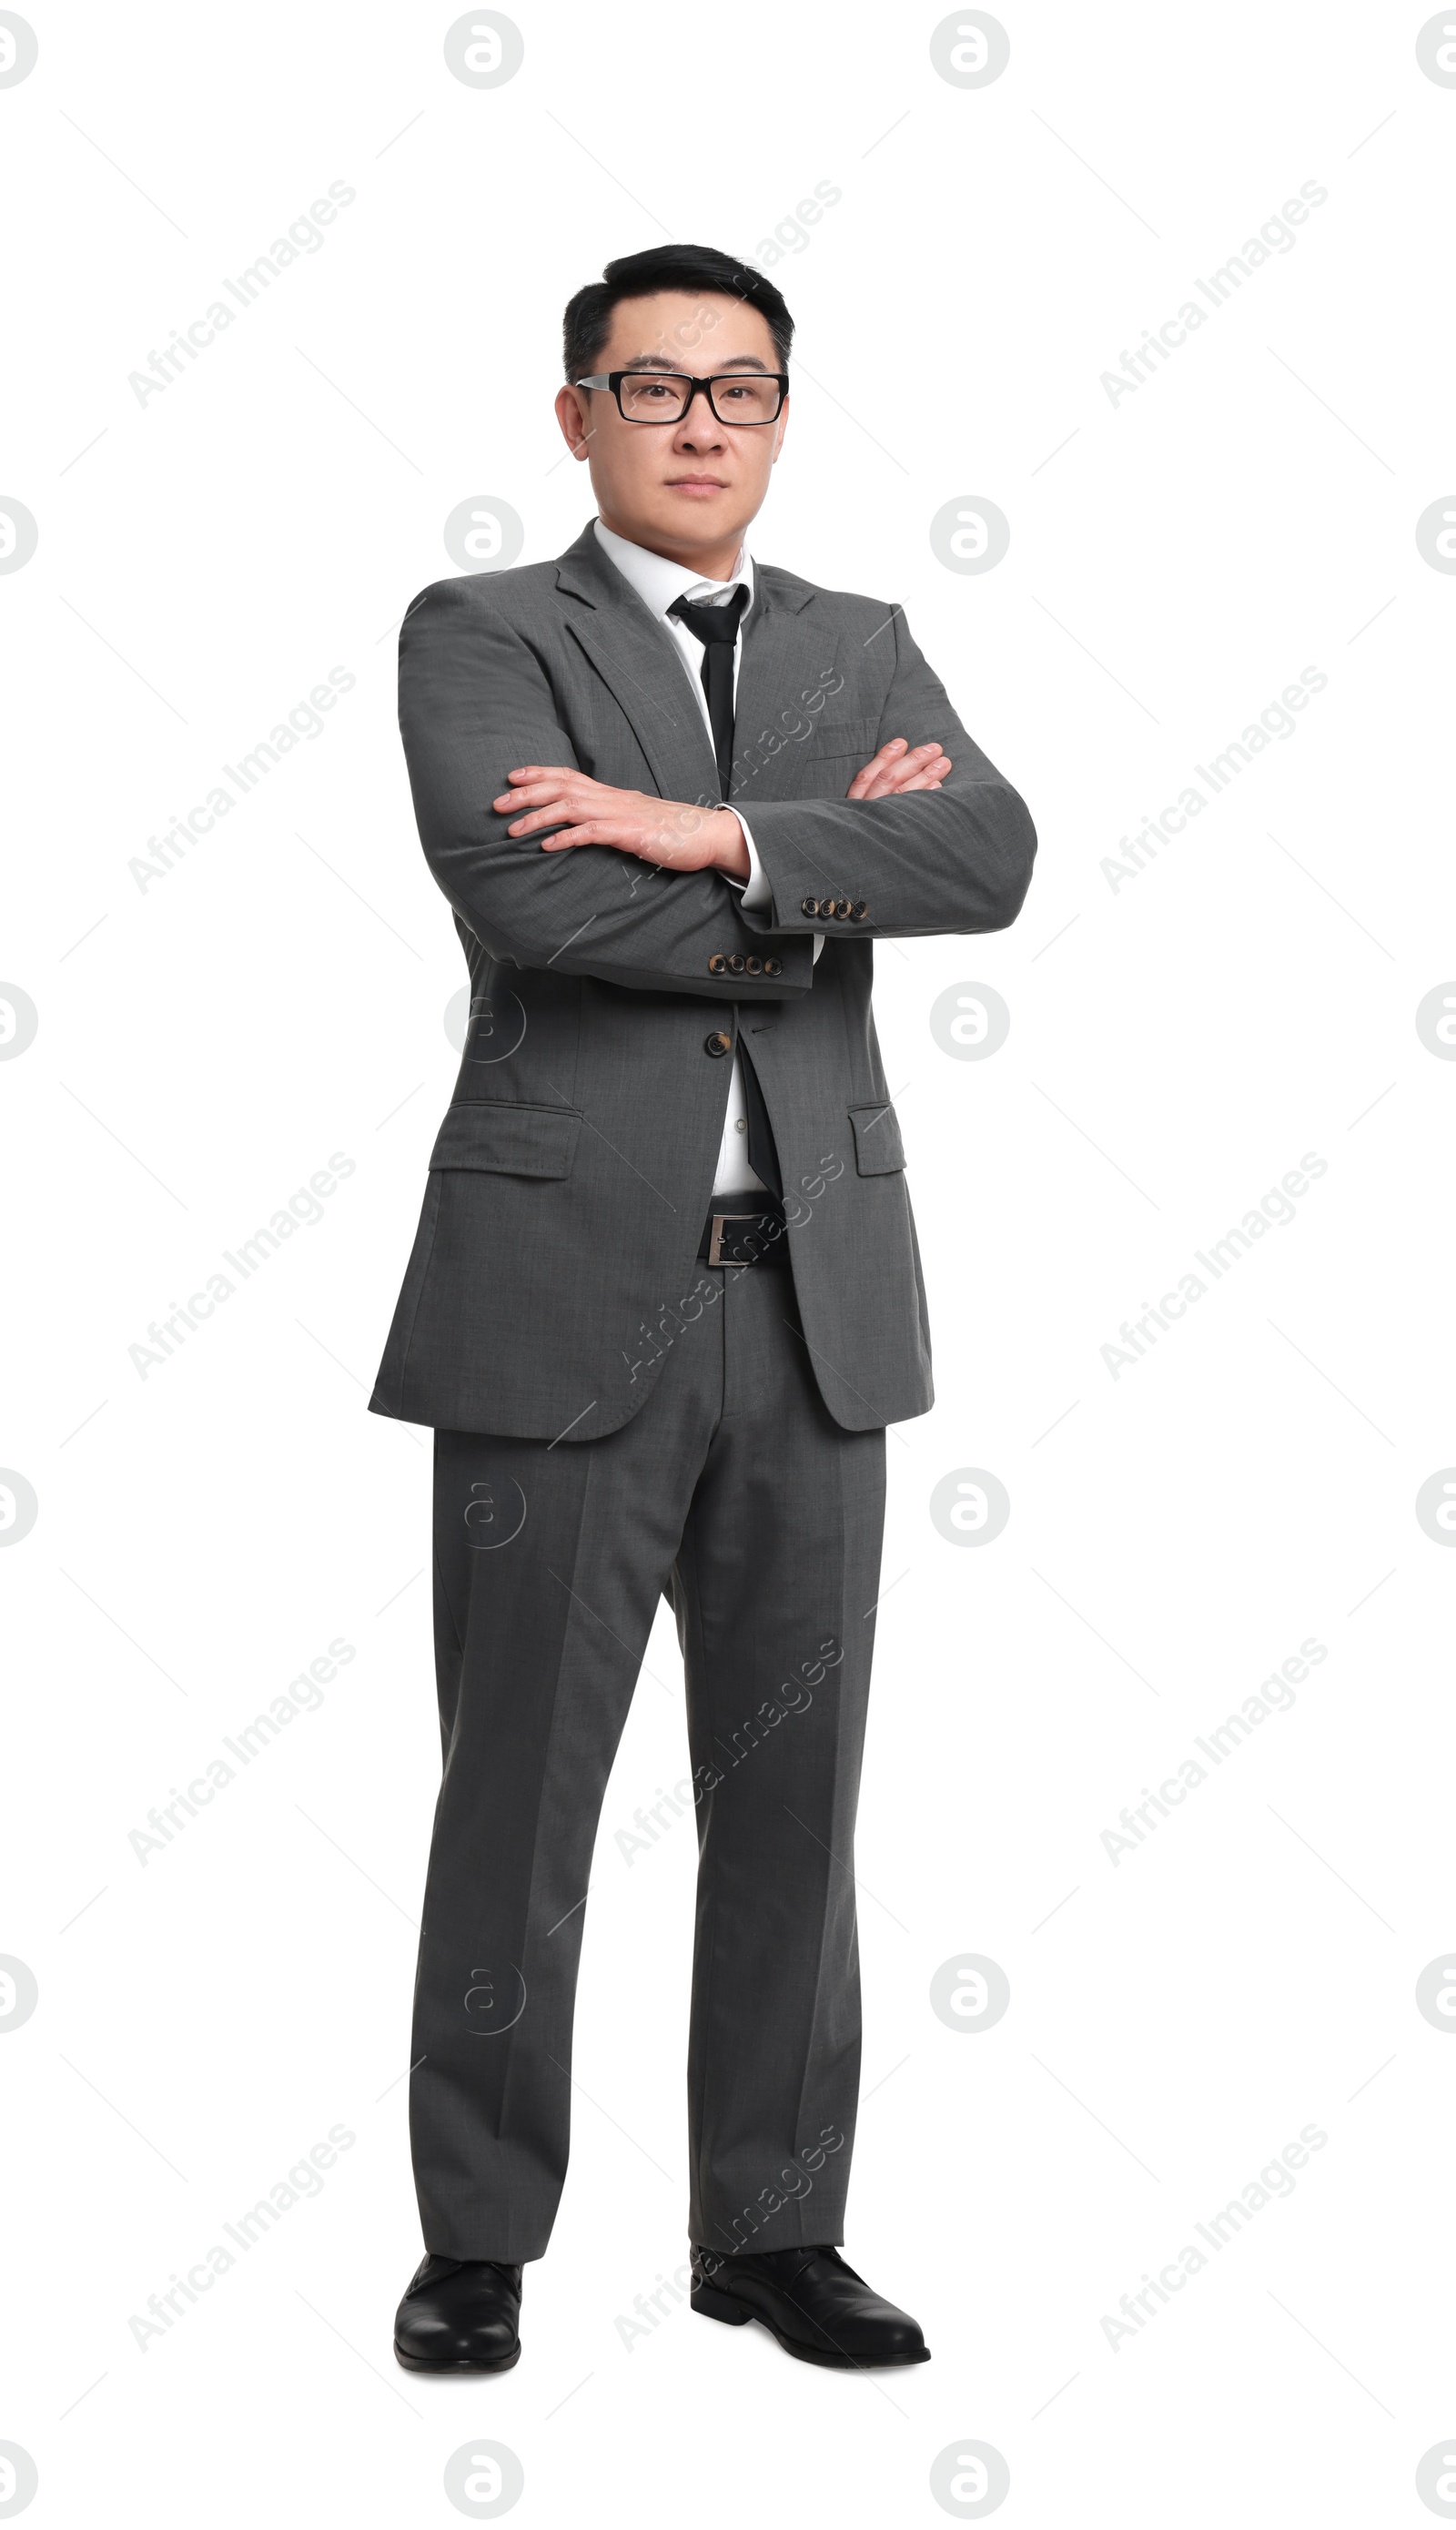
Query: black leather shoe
[(459, 2315), (818, 2307)]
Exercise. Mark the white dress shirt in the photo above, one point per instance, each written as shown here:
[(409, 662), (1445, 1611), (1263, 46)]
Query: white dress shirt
[(660, 584)]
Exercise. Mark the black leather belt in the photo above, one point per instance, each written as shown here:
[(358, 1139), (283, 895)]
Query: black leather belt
[(745, 1238)]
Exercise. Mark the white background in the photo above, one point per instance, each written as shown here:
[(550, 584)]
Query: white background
[(1177, 1044)]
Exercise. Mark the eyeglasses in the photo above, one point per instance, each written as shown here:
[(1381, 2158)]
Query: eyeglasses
[(743, 399)]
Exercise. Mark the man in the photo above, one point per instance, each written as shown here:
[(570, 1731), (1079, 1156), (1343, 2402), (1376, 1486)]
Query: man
[(666, 1294)]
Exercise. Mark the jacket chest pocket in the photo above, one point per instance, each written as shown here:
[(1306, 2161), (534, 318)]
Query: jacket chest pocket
[(837, 737)]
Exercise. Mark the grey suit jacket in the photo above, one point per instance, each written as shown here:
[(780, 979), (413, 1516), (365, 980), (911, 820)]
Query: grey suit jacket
[(555, 1264)]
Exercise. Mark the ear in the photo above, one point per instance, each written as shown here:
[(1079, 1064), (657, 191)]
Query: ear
[(573, 412), (780, 429)]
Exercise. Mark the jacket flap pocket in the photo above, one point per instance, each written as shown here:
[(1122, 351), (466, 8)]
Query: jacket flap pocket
[(515, 1141), (878, 1147)]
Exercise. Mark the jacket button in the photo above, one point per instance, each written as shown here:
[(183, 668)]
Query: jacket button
[(810, 904), (735, 962), (830, 905), (772, 965), (858, 911), (719, 1042), (717, 963), (843, 909), (753, 965)]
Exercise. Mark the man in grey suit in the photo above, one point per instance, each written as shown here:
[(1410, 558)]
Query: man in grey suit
[(665, 1295)]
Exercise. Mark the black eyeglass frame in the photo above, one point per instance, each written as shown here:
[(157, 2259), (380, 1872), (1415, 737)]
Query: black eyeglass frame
[(612, 379)]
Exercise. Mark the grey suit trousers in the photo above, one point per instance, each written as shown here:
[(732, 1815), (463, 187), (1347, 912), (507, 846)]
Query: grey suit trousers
[(736, 1493)]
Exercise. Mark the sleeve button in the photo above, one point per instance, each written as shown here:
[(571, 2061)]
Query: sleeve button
[(753, 965), (772, 965), (810, 906), (859, 910), (718, 964), (735, 962)]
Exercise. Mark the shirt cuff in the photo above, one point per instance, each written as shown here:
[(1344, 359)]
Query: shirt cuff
[(758, 891)]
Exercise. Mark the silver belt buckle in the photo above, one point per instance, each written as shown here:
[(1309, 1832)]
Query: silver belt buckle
[(720, 1222)]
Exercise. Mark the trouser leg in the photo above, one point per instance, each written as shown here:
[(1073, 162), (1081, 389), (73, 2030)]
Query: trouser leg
[(773, 1588), (549, 1563)]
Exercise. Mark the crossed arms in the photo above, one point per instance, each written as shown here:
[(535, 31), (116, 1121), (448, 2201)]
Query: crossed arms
[(550, 868)]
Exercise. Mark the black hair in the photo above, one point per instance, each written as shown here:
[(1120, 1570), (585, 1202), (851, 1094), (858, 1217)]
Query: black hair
[(587, 324)]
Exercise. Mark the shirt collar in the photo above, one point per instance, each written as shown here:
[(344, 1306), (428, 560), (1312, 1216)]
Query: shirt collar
[(659, 582)]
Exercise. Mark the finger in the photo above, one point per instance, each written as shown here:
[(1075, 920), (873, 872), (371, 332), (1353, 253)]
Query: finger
[(555, 780), (535, 796), (895, 778), (556, 813), (568, 835), (892, 748), (908, 771)]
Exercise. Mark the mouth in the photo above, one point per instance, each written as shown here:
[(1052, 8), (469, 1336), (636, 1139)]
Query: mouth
[(699, 483)]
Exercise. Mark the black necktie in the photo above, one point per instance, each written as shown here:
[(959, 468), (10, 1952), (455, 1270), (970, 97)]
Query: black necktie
[(717, 628)]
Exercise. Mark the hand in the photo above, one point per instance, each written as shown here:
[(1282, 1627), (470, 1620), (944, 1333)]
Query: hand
[(669, 831), (898, 769)]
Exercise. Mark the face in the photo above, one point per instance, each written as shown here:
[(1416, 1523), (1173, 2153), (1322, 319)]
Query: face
[(686, 489)]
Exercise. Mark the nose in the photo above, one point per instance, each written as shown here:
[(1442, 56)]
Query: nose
[(699, 425)]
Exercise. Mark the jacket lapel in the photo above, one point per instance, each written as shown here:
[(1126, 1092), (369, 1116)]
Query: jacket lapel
[(787, 653), (637, 661)]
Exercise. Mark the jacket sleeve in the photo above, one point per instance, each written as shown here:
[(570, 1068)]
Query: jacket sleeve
[(954, 860), (476, 701)]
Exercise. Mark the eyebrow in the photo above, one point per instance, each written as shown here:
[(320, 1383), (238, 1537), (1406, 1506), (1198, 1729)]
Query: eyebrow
[(664, 369)]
